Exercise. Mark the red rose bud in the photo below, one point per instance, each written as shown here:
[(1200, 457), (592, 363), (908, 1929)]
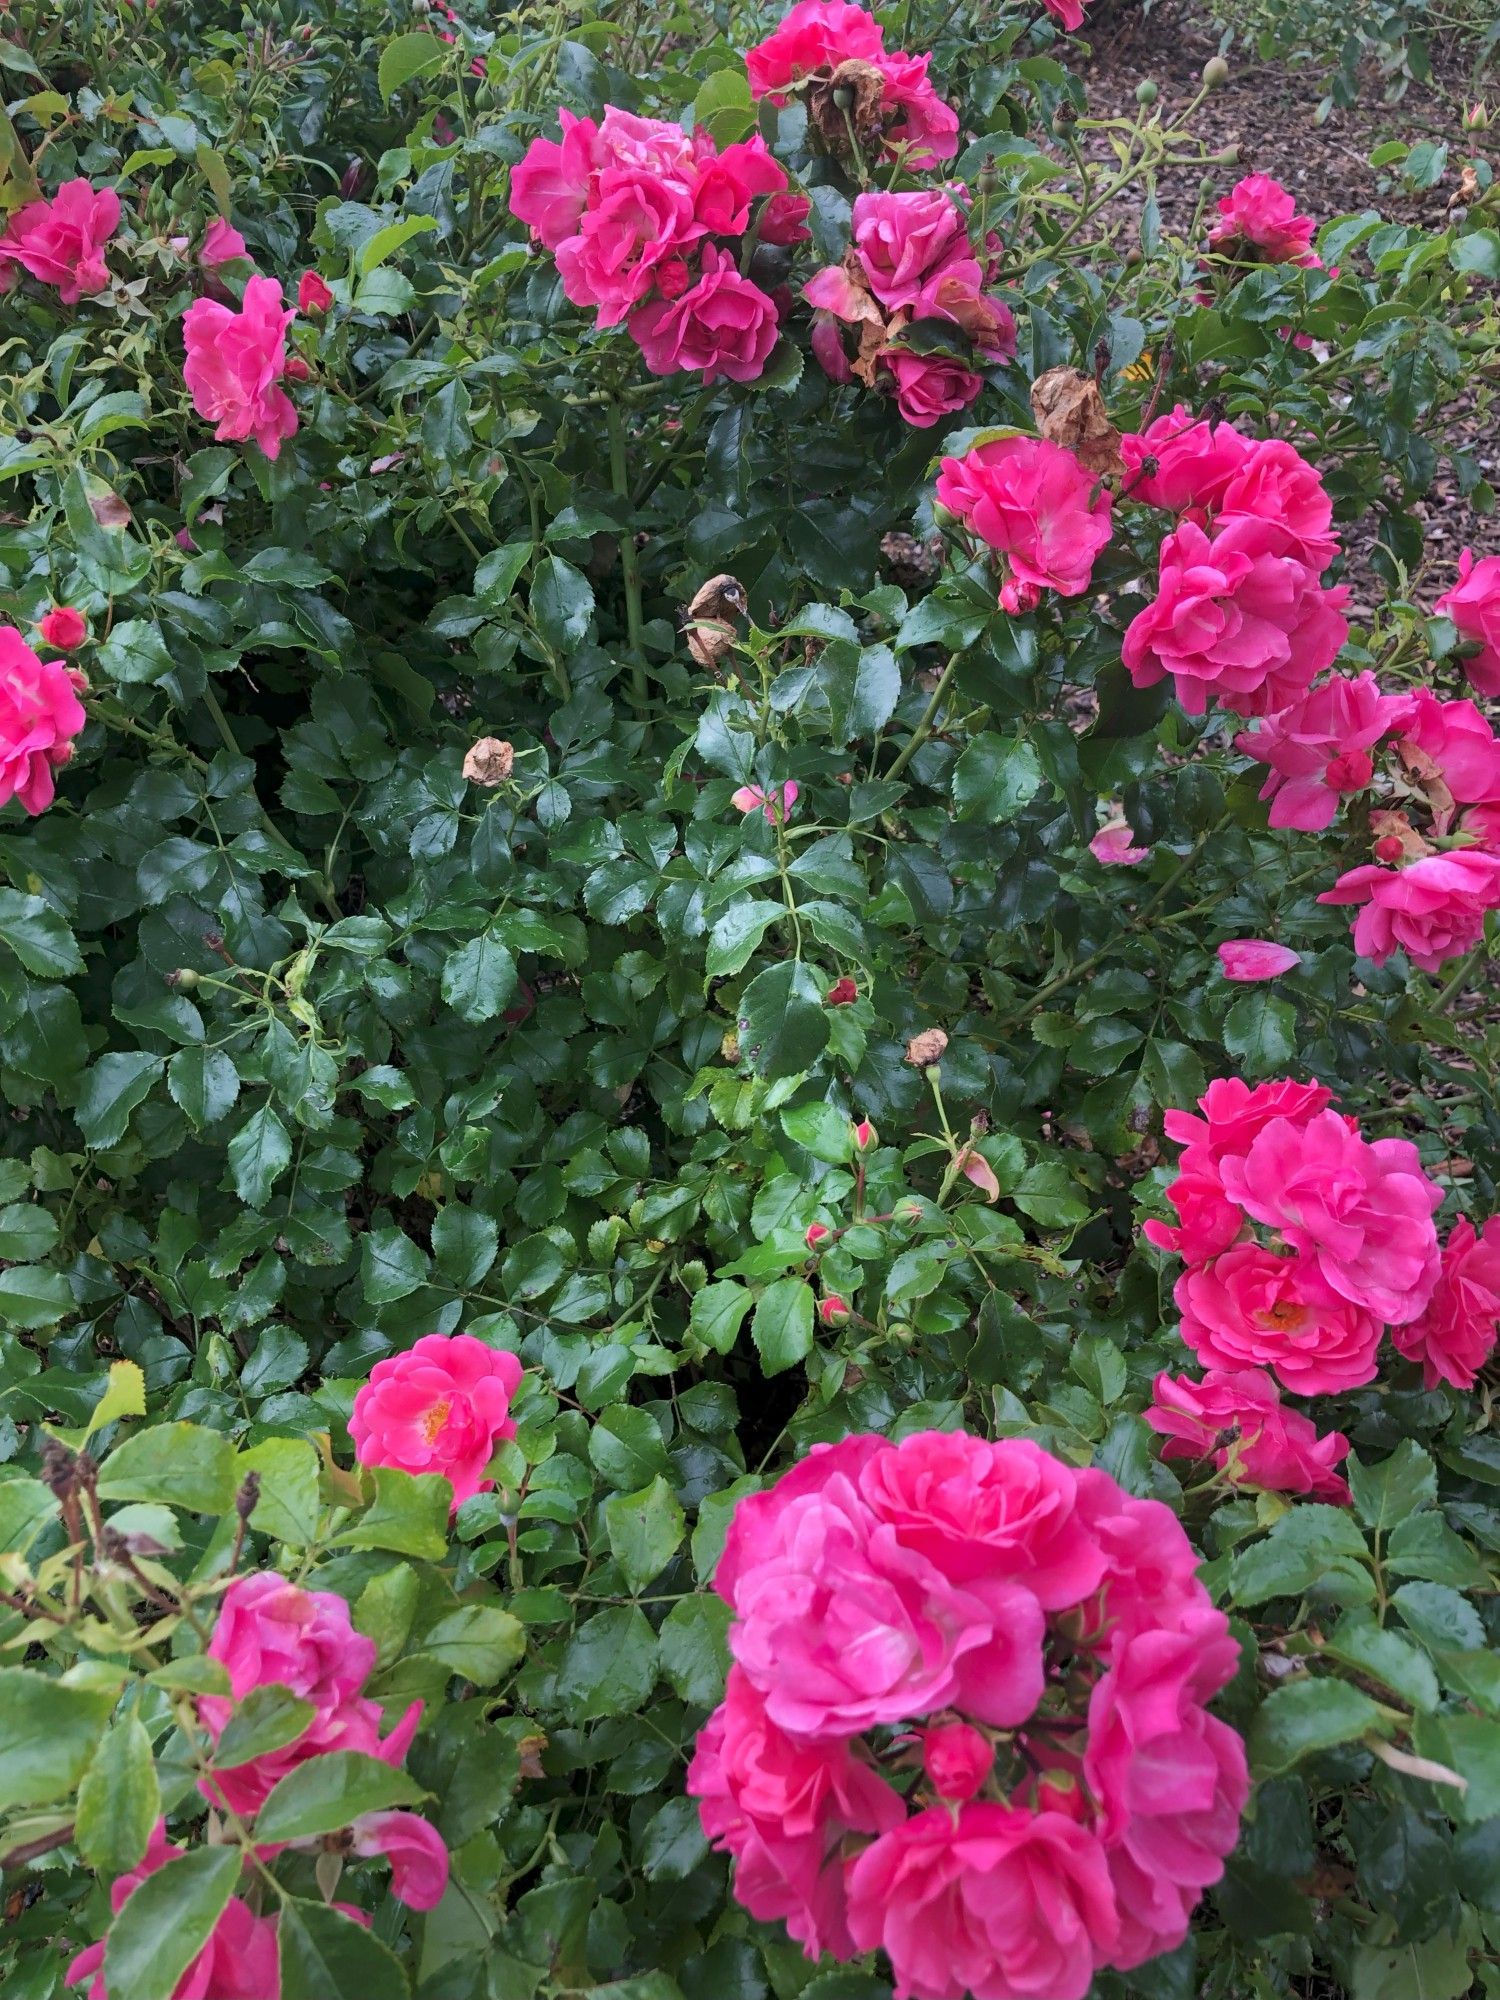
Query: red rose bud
[(817, 1232), (865, 1136), (64, 628), (833, 1311), (842, 993), (957, 1759), (312, 294), (1389, 847), (297, 369)]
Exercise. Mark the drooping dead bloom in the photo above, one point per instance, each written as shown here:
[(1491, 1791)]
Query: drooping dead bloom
[(1069, 410), (489, 762), (710, 619), (927, 1048)]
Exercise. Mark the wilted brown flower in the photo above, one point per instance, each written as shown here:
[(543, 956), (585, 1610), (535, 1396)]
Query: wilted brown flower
[(1070, 411), (489, 762), (710, 619), (848, 98), (927, 1048)]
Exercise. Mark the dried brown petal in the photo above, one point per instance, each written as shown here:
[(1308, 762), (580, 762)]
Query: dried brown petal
[(489, 762), (1070, 411), (927, 1048), (850, 97), (710, 619)]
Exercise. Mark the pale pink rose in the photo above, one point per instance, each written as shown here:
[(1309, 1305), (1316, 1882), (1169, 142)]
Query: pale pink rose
[(1246, 959), (814, 35), (1252, 1308), (986, 1901), (782, 1806), (549, 187), (1035, 503), (1361, 1212), (440, 1406), (775, 805), (1276, 484), (983, 1511), (1456, 1335), (239, 1962), (40, 716), (1236, 1419), (1474, 606), (1433, 909), (235, 360), (929, 387), (1195, 461), (957, 1759), (1235, 619), (722, 326), (1170, 1778), (833, 290), (783, 220), (222, 244), (726, 183), (1318, 747), (635, 220), (921, 130), (1259, 215), (61, 241), (1459, 741), (905, 240), (64, 628), (1115, 846), (416, 1851)]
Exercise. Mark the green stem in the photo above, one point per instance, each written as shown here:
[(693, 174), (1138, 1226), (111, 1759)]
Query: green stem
[(630, 567), (924, 728), (1459, 978)]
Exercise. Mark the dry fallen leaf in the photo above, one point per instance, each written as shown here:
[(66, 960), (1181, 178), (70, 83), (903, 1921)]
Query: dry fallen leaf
[(1069, 410)]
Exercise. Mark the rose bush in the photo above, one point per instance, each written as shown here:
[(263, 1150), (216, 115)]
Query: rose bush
[(748, 1218)]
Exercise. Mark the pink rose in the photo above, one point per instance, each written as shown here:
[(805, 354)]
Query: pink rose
[(222, 244), (636, 219), (271, 1631), (1260, 215), (1209, 1221), (1456, 1334), (1170, 1778), (440, 1406), (1237, 1420), (40, 715), (1276, 484), (64, 628), (549, 187), (1114, 846), (1036, 504), (988, 1901), (1236, 619), (1250, 1307), (1256, 958), (921, 130), (775, 805), (1361, 1212), (235, 361), (239, 1962), (1195, 461), (415, 1850), (723, 325), (313, 296), (1317, 748), (783, 220), (1068, 12), (726, 183), (929, 387), (1432, 909), (905, 240), (1474, 606), (61, 241), (1457, 739), (957, 1759), (816, 34), (354, 1724), (754, 1531), (1151, 1578), (1235, 1113)]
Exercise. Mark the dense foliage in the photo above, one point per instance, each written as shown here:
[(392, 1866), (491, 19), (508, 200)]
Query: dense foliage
[(652, 755)]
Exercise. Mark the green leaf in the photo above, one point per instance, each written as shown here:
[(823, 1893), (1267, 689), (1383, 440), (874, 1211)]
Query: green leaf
[(674, 1845), (386, 242), (391, 1266), (718, 1312), (204, 1083), (327, 1792), (408, 1515), (31, 1296), (268, 1718), (1478, 254), (38, 936), (326, 1956), (562, 602), (288, 1508), (1376, 1651), (479, 978), (645, 1530), (124, 1396), (119, 1800), (112, 1088), (259, 1154), (1436, 1969), (406, 58), (995, 778), (1297, 1721), (625, 1446), (1401, 1484), (166, 1921), (464, 1244), (135, 653), (1260, 1031), (783, 1022), (822, 1130), (694, 1641), (1309, 1546), (26, 1231), (179, 1465), (782, 1328), (608, 1666), (479, 1641), (48, 1732)]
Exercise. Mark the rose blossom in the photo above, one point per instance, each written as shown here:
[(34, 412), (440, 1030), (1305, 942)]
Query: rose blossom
[(1256, 958), (774, 804), (1252, 1307), (783, 220), (1151, 1577), (549, 187), (1259, 212), (1208, 1223), (313, 295), (723, 325), (636, 219), (905, 240), (1195, 461), (1360, 1211), (957, 1759), (929, 387), (990, 1902), (1114, 845), (816, 34), (62, 241), (40, 715), (1458, 741), (1236, 1418), (64, 628), (1034, 502), (920, 127), (235, 361), (440, 1406), (222, 244), (1318, 748), (416, 1851), (1068, 12), (1456, 1335), (1236, 619), (1432, 909), (725, 183), (1474, 606)]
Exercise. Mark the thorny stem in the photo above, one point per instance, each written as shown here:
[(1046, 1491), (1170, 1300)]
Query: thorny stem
[(929, 716)]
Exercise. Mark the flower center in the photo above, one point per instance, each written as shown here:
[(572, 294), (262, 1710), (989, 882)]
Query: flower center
[(1287, 1316), (434, 1420)]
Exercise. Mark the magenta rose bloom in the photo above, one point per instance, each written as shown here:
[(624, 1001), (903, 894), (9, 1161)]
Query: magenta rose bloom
[(1474, 606), (1260, 216), (441, 1406), (783, 220), (416, 1851), (1252, 1308), (1170, 1778), (921, 129), (1195, 461), (929, 387), (1361, 1212), (1318, 747), (1456, 1334), (957, 1758), (1276, 484), (222, 244), (636, 219), (722, 325), (726, 183), (1247, 959), (1433, 909), (1456, 738), (271, 1631), (1236, 1419), (1235, 619), (549, 187), (40, 715), (1208, 1221), (903, 241), (1036, 504), (990, 1902), (64, 628), (61, 241), (1151, 1575), (235, 361), (816, 34)]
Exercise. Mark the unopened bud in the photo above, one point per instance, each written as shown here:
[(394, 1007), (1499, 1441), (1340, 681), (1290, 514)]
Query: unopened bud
[(184, 978), (865, 1136), (843, 97), (1215, 72), (297, 369), (1146, 93), (817, 1232), (1477, 118), (833, 1311), (1228, 156), (1389, 847)]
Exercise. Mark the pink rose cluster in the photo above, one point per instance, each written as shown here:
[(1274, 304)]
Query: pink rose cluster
[(1037, 506), (440, 1406), (1241, 615), (815, 41), (60, 241), (1029, 1645), (631, 207), (912, 291), (40, 718), (1258, 221)]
